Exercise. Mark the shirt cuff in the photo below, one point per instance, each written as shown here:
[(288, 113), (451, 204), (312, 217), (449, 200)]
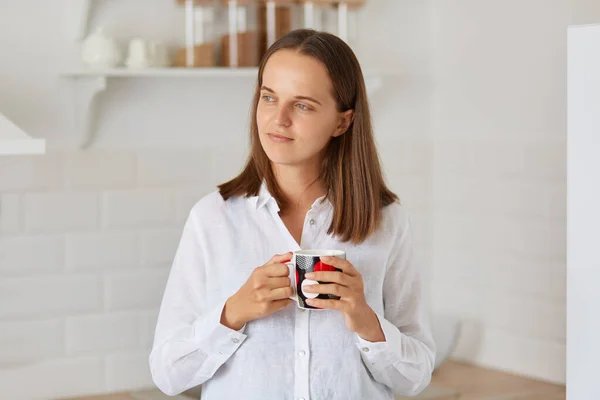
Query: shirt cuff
[(219, 340), (380, 354)]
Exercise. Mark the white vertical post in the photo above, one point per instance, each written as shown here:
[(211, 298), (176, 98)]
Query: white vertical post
[(583, 212), (270, 23), (233, 33), (190, 35)]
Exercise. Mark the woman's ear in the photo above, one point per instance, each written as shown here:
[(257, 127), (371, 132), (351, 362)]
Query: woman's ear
[(345, 121)]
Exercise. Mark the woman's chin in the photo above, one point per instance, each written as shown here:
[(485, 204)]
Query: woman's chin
[(281, 160), (281, 156)]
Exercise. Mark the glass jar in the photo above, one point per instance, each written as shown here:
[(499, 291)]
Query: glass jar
[(275, 18), (200, 41), (240, 42), (313, 13), (347, 21)]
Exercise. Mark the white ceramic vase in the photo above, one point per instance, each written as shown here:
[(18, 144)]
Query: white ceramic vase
[(100, 51)]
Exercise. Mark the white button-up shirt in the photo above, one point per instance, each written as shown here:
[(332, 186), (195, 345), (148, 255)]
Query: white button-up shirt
[(292, 354)]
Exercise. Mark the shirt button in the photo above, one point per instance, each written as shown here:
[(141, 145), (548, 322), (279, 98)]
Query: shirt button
[(302, 353), (312, 221), (365, 349), (235, 340)]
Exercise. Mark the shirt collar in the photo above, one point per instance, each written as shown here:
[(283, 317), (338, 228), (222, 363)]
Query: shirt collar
[(264, 197)]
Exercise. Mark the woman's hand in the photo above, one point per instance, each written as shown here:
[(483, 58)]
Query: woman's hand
[(267, 290), (348, 285)]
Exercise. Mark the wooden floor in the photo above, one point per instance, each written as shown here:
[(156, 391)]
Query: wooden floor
[(452, 381), (467, 382)]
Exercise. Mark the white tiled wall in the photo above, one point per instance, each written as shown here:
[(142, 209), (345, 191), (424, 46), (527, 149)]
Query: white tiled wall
[(84, 255), (499, 177)]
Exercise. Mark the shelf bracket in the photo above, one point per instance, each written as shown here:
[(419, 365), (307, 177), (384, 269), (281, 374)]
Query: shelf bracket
[(80, 14), (85, 98)]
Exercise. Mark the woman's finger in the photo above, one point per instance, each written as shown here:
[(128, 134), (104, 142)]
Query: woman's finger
[(342, 264), (276, 270), (333, 277), (280, 282), (281, 293), (332, 288), (280, 258)]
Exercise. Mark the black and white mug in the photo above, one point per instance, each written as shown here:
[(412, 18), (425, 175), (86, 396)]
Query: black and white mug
[(303, 262)]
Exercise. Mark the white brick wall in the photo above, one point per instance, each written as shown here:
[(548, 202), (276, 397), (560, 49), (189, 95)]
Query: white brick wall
[(140, 207), (22, 255), (159, 246), (51, 379), (168, 167), (147, 326), (49, 295), (101, 251), (10, 209), (127, 371), (499, 179), (31, 341), (97, 169), (148, 283), (499, 261), (27, 173), (505, 350), (86, 242), (186, 197), (61, 211), (98, 333)]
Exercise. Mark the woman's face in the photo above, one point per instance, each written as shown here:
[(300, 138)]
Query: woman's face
[(297, 113)]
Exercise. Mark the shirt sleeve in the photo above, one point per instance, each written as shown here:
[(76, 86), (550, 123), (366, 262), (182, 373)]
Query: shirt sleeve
[(190, 343), (404, 361)]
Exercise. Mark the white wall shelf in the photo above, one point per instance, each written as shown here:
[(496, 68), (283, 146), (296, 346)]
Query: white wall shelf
[(88, 84), (163, 72)]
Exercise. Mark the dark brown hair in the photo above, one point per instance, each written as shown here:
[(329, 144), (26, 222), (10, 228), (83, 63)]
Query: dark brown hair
[(351, 170)]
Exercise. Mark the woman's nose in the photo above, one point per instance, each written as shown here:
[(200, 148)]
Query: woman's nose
[(283, 117)]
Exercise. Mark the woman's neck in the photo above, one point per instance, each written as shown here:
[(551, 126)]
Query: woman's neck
[(300, 186)]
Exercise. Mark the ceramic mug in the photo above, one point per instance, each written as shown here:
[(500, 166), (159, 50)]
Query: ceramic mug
[(138, 55), (303, 262)]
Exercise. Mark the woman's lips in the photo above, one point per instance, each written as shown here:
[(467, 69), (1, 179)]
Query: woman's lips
[(279, 138)]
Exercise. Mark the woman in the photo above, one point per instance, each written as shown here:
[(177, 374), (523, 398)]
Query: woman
[(312, 181)]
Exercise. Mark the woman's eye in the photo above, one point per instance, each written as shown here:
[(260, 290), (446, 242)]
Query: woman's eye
[(267, 98), (303, 107)]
